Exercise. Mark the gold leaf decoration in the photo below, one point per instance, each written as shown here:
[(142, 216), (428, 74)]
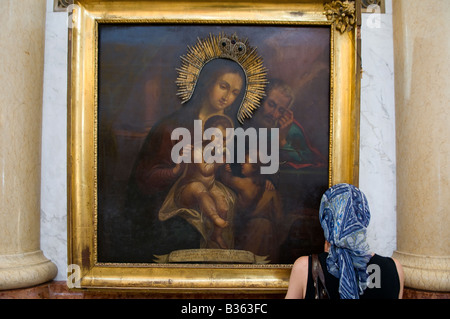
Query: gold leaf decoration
[(226, 47), (342, 14)]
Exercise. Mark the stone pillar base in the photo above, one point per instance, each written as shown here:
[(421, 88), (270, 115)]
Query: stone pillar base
[(425, 272), (25, 270)]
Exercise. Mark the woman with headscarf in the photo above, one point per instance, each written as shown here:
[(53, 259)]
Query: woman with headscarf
[(347, 261)]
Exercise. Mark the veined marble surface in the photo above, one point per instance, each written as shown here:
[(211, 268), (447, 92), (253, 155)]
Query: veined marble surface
[(54, 142), (377, 176), (377, 153)]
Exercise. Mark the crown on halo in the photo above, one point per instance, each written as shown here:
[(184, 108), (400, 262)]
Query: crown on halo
[(232, 48), (226, 47)]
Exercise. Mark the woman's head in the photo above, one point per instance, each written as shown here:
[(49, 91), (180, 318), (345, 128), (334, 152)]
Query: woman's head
[(344, 215), (221, 85), (344, 211), (226, 88)]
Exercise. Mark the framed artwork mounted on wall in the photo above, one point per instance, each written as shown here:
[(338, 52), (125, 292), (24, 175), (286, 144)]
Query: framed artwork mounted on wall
[(202, 136)]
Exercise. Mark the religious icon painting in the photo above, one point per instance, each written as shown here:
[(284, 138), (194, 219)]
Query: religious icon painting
[(205, 145)]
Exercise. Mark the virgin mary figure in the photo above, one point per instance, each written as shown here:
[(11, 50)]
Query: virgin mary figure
[(219, 87)]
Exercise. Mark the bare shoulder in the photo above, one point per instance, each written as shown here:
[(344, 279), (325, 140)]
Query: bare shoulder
[(300, 268), (399, 267), (401, 276), (299, 279), (301, 263)]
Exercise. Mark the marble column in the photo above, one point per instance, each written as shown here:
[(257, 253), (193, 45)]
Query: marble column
[(422, 82), (22, 36)]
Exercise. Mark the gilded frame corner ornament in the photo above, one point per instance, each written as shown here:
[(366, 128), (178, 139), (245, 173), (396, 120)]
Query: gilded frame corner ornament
[(342, 14), (83, 132)]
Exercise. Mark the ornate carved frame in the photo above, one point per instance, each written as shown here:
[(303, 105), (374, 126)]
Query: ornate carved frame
[(343, 20), (366, 5)]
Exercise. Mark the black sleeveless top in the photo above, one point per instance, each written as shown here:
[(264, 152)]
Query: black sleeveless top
[(385, 285)]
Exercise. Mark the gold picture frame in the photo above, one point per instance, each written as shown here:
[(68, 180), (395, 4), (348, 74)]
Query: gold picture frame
[(339, 18)]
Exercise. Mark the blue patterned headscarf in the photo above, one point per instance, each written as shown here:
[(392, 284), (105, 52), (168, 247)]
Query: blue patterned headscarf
[(344, 216)]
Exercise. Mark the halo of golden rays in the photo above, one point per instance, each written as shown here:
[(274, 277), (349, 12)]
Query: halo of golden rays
[(225, 47)]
